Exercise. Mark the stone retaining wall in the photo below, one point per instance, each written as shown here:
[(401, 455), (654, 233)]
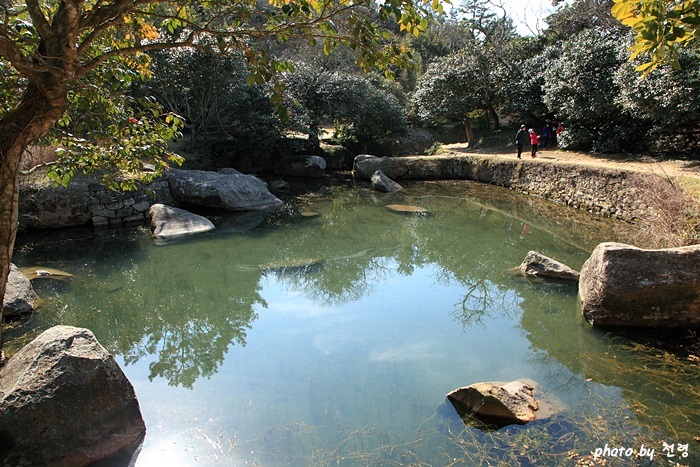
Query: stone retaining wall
[(45, 206), (598, 190), (110, 208)]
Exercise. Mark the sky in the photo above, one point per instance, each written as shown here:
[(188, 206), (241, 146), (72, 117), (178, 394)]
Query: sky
[(528, 15)]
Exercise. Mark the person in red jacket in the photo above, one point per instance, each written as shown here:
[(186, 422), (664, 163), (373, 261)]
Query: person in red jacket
[(533, 141)]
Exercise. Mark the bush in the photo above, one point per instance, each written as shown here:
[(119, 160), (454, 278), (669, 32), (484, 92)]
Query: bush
[(362, 111), (211, 93), (581, 91)]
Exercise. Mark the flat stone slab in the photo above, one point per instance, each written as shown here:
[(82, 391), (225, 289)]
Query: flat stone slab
[(407, 209), (39, 272)]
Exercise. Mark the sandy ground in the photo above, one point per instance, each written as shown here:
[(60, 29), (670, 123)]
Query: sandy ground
[(670, 168)]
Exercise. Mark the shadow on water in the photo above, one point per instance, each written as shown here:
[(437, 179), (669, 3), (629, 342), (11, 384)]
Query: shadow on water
[(360, 321)]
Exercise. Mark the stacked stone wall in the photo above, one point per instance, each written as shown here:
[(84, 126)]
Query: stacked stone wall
[(598, 190), (109, 208)]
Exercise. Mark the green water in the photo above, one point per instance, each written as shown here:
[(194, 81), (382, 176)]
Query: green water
[(348, 361)]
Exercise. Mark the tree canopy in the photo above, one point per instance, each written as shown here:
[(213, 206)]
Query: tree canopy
[(660, 27)]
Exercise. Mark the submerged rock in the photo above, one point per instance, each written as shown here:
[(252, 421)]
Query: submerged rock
[(538, 265), (383, 183), (293, 266), (408, 209), (169, 223), (37, 272), (625, 286), (20, 298), (65, 401)]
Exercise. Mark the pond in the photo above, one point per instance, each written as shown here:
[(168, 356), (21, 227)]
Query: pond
[(330, 331)]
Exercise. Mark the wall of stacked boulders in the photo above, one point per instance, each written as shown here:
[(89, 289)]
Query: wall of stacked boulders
[(598, 190), (110, 208), (83, 202)]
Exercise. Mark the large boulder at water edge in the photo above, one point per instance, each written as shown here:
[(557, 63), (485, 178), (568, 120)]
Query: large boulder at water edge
[(65, 401), (20, 298), (301, 166), (538, 265), (169, 223), (502, 403), (383, 183), (232, 192), (365, 166), (625, 286)]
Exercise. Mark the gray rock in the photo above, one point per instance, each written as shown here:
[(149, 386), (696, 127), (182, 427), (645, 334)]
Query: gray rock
[(301, 166), (500, 402), (231, 192), (539, 265), (383, 183), (65, 401), (279, 185), (20, 298), (169, 223), (625, 286), (366, 165)]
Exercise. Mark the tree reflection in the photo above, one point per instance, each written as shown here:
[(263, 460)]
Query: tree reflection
[(183, 305)]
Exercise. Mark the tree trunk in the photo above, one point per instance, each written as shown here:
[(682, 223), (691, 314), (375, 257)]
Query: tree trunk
[(494, 116), (468, 128), (36, 113)]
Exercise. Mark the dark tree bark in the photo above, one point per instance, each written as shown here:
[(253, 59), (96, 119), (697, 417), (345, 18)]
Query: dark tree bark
[(468, 128), (37, 112)]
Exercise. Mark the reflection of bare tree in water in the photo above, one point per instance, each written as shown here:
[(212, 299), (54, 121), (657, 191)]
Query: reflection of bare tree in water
[(483, 300)]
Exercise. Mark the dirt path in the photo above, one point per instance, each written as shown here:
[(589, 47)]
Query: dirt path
[(669, 168)]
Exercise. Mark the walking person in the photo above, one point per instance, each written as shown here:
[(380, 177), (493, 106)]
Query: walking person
[(520, 139), (546, 132), (533, 141)]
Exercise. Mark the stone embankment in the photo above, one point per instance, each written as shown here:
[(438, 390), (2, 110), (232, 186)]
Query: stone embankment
[(602, 191), (45, 206)]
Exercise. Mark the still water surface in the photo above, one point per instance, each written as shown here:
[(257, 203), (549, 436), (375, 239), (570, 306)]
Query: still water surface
[(347, 361)]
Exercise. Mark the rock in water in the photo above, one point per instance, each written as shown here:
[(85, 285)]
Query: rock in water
[(232, 192), (383, 183), (168, 223), (37, 272), (500, 402), (20, 298), (625, 286), (408, 209), (539, 265), (65, 401)]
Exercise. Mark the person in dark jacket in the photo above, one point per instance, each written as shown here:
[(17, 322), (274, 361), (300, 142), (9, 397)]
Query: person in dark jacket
[(520, 138), (546, 132)]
